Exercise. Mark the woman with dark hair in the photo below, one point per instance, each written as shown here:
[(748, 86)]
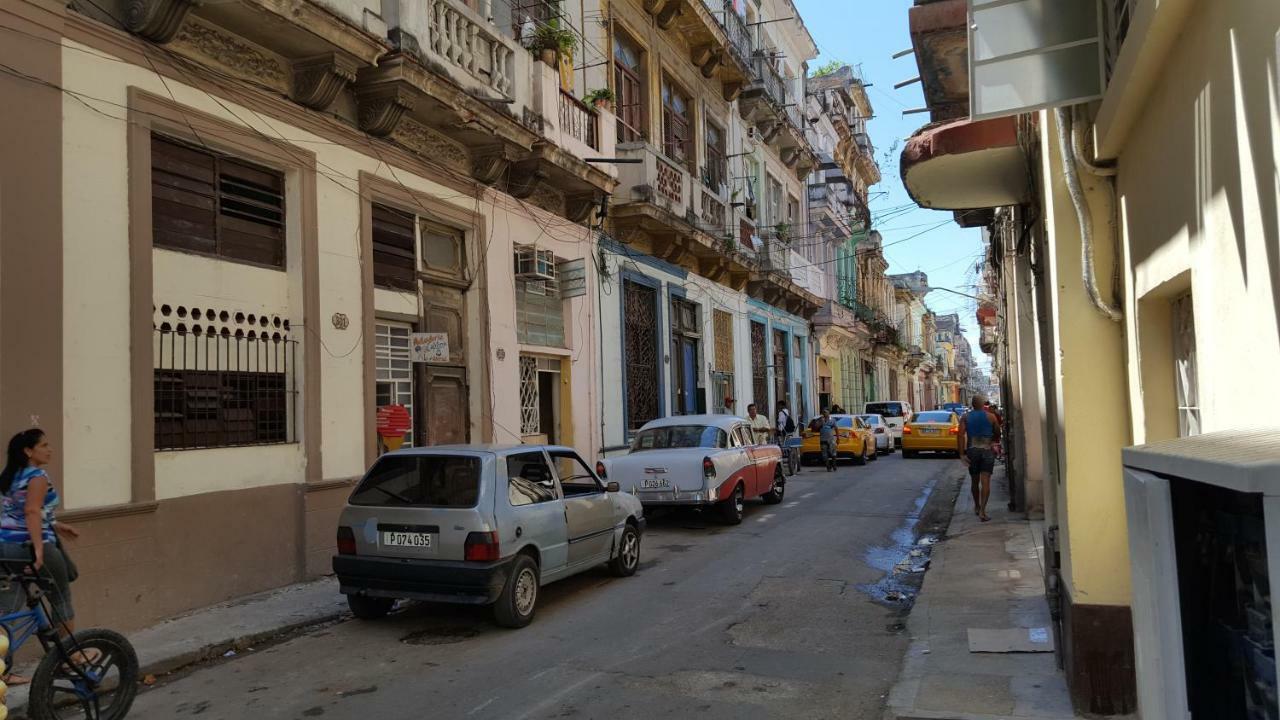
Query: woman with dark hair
[(27, 516)]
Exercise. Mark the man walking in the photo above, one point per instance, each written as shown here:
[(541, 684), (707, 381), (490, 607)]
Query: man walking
[(761, 428), (979, 431), (785, 424), (827, 439)]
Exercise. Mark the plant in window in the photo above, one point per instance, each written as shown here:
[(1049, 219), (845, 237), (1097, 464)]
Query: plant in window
[(601, 98), (552, 42), (782, 231)]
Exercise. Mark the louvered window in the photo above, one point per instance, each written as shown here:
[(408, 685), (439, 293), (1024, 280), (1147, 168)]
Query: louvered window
[(213, 204), (394, 264)]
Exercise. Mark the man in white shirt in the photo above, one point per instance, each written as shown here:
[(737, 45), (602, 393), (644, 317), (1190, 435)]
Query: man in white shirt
[(783, 420), (761, 428)]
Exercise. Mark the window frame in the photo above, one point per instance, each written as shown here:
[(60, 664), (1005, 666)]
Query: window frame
[(598, 487), (672, 120), (219, 158), (717, 162), (633, 117)]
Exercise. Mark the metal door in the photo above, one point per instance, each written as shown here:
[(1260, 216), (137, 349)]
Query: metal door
[(587, 509)]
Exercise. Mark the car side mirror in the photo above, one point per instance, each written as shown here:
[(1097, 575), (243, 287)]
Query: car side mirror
[(612, 486)]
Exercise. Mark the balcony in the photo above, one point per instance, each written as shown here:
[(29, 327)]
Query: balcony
[(579, 121), (719, 44)]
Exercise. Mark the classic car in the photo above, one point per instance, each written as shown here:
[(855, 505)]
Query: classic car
[(854, 441), (698, 460), (480, 525), (931, 431)]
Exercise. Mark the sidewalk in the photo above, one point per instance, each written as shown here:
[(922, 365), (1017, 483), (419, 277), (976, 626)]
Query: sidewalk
[(211, 632), (983, 576)]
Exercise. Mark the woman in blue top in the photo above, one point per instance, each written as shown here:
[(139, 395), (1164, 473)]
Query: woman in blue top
[(27, 511)]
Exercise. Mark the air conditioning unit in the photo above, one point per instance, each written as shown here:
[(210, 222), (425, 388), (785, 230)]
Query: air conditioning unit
[(533, 264)]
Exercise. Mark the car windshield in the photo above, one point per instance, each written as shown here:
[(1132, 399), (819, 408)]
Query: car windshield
[(870, 419), (451, 481), (933, 417), (887, 409), (679, 436)]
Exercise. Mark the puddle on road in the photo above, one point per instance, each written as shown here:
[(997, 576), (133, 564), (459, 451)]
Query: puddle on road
[(903, 561), (444, 635)]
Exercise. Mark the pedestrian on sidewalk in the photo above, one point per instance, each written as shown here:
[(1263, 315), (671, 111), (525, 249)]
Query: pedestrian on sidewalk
[(786, 425), (27, 516), (979, 431), (761, 428), (827, 440)]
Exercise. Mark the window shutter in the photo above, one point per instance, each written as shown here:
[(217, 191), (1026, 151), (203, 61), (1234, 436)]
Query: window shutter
[(184, 202), (394, 263), (251, 204)]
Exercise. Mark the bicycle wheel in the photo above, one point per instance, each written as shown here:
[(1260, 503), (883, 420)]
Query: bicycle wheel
[(101, 689)]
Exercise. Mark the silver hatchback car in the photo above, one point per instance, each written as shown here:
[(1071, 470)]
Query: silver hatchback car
[(480, 525)]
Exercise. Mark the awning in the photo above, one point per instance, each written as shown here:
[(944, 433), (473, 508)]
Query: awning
[(965, 164)]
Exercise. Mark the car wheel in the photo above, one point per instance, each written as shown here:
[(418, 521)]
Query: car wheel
[(731, 510), (515, 606), (628, 559), (875, 453), (774, 496), (861, 457), (370, 608), (908, 454)]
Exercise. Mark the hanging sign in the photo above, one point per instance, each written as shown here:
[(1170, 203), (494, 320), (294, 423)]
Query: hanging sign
[(431, 347)]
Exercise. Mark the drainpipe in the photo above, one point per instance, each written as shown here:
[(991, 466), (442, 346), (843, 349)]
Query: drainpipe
[(1076, 191)]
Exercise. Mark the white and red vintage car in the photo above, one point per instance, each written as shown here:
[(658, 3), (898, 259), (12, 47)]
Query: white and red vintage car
[(698, 460)]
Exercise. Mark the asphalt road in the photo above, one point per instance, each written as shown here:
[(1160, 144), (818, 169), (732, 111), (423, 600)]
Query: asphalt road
[(782, 616)]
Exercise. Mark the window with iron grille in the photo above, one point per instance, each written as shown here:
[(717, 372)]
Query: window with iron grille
[(530, 417), (759, 368), (640, 346), (781, 370), (212, 204), (677, 125), (393, 383), (222, 390), (722, 325), (394, 262), (629, 86)]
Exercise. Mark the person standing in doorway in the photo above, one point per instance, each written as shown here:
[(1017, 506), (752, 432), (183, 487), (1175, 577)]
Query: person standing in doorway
[(761, 428), (827, 439), (728, 406), (979, 431)]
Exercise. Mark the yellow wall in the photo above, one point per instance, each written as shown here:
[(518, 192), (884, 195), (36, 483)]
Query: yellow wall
[(1093, 416)]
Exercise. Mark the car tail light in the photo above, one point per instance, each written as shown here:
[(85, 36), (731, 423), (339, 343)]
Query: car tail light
[(708, 468), (954, 431), (482, 547), (346, 541), (600, 469), (906, 429)]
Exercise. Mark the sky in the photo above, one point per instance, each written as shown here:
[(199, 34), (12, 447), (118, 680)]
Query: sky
[(866, 34)]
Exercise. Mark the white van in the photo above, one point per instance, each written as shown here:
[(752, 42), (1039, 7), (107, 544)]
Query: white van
[(895, 414)]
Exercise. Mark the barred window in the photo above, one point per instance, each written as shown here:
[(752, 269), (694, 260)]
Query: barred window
[(213, 204), (221, 390)]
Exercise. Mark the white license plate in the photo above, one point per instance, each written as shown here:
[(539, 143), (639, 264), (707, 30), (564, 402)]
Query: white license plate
[(406, 539), (654, 483), (927, 431)]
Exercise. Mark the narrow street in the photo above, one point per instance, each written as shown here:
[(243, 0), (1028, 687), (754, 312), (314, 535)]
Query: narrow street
[(782, 616)]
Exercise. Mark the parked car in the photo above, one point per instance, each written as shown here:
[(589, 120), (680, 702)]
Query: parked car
[(480, 525), (955, 407), (699, 461), (854, 441), (894, 412), (931, 431), (879, 429)]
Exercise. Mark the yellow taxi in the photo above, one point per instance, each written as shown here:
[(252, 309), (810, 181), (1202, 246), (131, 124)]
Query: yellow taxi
[(854, 441), (931, 431)]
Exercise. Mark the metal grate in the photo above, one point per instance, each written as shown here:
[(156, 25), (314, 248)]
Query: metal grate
[(223, 390), (579, 121), (530, 418), (1116, 17), (781, 371), (641, 347), (759, 368), (722, 326)]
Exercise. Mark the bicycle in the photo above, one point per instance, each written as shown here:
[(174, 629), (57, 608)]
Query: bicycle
[(78, 671)]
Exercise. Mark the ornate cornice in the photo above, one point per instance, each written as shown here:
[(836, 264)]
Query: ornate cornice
[(240, 57), (382, 106), (157, 20), (317, 81), (427, 142)]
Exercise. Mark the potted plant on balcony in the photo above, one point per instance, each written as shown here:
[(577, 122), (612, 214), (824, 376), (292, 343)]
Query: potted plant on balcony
[(601, 98), (551, 42), (782, 231)]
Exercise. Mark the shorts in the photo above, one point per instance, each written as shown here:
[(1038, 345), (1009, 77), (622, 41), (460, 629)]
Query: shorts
[(57, 582), (981, 460)]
